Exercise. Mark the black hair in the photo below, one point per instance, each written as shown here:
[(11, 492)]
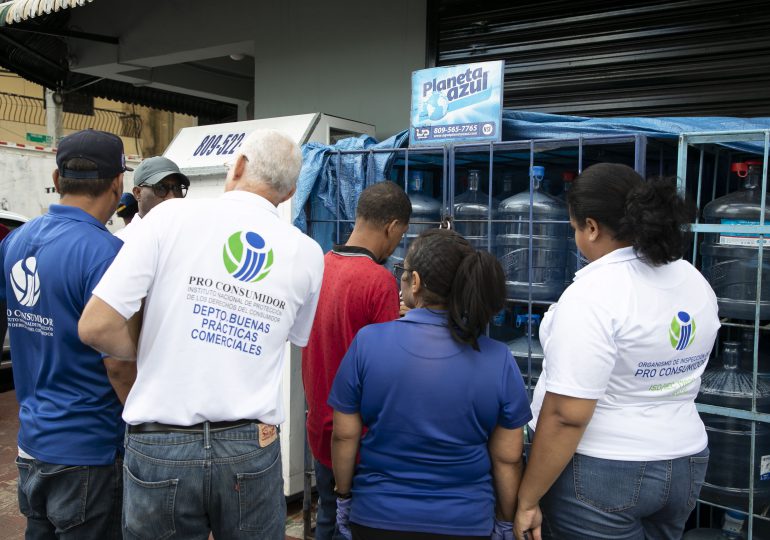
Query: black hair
[(91, 187), (382, 203), (650, 215), (471, 283)]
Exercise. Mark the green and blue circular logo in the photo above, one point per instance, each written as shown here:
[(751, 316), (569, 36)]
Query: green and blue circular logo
[(247, 257), (682, 331)]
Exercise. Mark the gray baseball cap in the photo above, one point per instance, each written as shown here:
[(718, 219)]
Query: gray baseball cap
[(153, 170)]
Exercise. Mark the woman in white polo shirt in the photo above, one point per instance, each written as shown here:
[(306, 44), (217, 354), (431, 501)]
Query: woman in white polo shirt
[(619, 450)]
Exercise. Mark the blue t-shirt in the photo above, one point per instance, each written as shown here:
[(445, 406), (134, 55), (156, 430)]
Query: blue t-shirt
[(430, 405), (69, 413)]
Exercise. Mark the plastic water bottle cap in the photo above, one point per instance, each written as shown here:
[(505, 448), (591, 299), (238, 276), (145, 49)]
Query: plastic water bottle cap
[(537, 171)]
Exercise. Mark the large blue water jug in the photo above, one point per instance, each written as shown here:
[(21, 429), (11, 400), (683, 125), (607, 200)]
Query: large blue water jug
[(472, 213), (730, 260), (549, 242), (426, 211)]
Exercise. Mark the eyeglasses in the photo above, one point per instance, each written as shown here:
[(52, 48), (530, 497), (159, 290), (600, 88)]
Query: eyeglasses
[(162, 189), (398, 271)]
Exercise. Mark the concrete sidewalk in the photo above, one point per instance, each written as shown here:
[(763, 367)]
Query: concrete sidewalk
[(12, 522)]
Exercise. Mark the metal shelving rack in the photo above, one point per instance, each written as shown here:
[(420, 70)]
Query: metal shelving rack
[(708, 153)]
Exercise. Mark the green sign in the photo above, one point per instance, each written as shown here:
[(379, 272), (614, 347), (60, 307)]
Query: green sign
[(39, 138)]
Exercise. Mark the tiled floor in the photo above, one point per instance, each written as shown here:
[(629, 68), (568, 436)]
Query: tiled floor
[(12, 522)]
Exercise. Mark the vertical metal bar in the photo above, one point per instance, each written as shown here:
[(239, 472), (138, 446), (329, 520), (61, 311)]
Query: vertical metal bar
[(580, 154), (640, 155), (489, 203), (681, 166), (697, 205), (716, 170), (337, 217), (451, 181)]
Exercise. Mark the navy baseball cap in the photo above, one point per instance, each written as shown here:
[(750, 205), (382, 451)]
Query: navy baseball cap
[(103, 149), (127, 205)]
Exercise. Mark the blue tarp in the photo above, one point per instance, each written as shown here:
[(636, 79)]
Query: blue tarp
[(325, 174)]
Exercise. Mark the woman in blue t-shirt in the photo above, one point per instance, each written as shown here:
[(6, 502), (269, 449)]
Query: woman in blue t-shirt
[(444, 407)]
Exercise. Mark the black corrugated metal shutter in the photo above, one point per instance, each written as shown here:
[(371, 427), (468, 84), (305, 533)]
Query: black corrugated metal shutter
[(600, 58)]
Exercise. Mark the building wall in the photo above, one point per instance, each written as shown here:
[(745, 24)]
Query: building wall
[(158, 127), (353, 61)]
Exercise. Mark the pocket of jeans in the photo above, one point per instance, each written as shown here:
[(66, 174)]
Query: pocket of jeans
[(257, 494), (24, 474), (67, 487), (148, 507), (607, 485), (698, 466)]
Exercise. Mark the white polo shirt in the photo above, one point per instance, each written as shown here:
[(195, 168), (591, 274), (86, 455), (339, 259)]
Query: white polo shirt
[(227, 282), (636, 338)]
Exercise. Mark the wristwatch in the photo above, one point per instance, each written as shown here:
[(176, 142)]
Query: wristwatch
[(339, 495)]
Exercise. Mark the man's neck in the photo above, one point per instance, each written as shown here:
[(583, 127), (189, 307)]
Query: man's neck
[(94, 206), (367, 240)]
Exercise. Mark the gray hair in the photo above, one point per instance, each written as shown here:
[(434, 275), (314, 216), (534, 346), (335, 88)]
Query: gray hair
[(273, 159)]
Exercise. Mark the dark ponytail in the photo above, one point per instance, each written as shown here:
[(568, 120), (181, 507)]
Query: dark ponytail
[(649, 215), (470, 283)]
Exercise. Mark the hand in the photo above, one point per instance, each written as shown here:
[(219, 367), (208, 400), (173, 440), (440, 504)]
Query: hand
[(343, 517), (526, 524), (402, 309), (503, 530)]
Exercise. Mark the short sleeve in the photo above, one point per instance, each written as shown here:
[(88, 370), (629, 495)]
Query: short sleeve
[(579, 347), (514, 402), (384, 304), (128, 280), (345, 395), (303, 322)]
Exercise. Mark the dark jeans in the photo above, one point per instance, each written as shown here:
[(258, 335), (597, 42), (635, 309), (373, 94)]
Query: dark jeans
[(326, 517), (367, 533), (183, 485), (69, 502), (623, 500)]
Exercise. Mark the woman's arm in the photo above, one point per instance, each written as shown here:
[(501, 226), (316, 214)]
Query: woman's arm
[(560, 426), (505, 451), (346, 437)]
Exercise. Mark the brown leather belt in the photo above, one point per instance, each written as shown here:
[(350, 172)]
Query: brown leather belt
[(156, 427)]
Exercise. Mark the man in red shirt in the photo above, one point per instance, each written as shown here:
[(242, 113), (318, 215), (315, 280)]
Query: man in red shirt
[(356, 291)]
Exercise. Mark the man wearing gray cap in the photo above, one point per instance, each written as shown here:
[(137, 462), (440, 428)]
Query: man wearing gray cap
[(156, 179)]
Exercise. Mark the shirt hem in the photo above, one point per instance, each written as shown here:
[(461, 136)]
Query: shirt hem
[(422, 527)]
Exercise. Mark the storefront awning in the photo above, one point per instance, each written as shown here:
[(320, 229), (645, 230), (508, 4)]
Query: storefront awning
[(23, 10)]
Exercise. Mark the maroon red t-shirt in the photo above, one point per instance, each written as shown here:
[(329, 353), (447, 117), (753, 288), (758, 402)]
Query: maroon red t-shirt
[(356, 291)]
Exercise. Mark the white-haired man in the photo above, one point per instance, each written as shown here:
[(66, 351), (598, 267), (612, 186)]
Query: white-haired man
[(221, 300)]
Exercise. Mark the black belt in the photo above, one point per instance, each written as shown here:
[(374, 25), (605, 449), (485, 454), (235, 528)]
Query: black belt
[(156, 427)]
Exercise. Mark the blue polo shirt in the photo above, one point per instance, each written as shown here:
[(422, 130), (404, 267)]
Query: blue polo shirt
[(430, 404), (69, 414)]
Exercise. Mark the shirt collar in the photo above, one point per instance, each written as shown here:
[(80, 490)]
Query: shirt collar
[(251, 198), (74, 213), (426, 316), (354, 251), (617, 256)]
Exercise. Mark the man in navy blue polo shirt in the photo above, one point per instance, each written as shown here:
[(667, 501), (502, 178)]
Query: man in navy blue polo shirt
[(70, 433)]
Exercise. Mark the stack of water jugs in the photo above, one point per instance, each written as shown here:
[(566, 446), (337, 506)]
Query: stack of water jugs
[(531, 243), (730, 263)]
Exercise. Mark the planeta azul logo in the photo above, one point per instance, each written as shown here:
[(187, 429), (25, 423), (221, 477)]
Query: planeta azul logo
[(247, 257), (682, 331), (25, 281)]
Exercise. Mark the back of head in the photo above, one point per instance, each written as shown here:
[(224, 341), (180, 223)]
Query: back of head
[(649, 215), (471, 283), (382, 203), (273, 159)]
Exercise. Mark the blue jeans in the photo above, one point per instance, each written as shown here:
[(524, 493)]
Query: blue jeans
[(69, 502), (326, 517), (184, 485), (623, 500)]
